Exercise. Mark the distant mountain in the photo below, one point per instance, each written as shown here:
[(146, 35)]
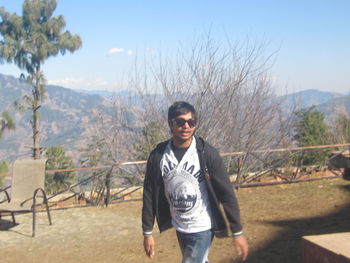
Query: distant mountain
[(132, 98), (331, 108), (102, 93), (66, 118), (67, 115), (308, 98), (302, 99)]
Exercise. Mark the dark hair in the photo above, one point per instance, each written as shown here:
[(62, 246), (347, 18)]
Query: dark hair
[(179, 108)]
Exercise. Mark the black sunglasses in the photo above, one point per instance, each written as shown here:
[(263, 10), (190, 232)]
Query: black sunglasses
[(181, 122)]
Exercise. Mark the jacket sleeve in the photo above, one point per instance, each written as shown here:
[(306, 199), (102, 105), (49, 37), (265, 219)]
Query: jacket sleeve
[(224, 191), (148, 210)]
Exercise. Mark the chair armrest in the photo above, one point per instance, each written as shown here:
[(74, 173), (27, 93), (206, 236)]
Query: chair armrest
[(35, 196), (8, 199), (43, 196)]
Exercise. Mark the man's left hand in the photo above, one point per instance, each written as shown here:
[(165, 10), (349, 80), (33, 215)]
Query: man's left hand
[(241, 246)]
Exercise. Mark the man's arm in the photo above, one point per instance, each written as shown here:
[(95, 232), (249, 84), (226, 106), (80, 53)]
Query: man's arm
[(226, 196), (148, 210), (224, 190)]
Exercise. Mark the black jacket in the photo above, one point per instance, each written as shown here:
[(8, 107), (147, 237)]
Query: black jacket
[(155, 204)]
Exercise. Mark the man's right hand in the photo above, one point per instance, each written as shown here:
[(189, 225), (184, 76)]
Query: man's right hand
[(148, 244)]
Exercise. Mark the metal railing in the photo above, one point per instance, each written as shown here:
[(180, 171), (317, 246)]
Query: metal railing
[(103, 185)]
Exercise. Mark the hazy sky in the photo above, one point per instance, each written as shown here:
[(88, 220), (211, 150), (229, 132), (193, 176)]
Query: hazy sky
[(312, 37)]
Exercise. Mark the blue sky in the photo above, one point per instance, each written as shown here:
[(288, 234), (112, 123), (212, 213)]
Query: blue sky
[(312, 38)]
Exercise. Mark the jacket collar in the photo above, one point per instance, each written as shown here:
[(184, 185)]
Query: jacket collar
[(200, 143)]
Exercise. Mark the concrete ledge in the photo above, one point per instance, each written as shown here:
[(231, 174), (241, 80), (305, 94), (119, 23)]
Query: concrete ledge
[(330, 248)]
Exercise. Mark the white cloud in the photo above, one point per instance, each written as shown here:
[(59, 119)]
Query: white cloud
[(114, 51), (83, 84), (130, 52)]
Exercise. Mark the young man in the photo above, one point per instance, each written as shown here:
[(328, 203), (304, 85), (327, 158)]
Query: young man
[(184, 184)]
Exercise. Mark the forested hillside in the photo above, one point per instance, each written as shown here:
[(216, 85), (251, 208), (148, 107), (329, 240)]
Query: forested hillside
[(66, 116)]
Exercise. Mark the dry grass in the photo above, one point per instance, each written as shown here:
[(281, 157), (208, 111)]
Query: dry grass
[(275, 218)]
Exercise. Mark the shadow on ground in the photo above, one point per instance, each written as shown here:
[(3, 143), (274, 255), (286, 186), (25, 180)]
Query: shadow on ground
[(286, 247), (6, 225)]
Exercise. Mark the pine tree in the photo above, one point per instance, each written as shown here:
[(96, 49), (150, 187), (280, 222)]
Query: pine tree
[(311, 130), (57, 159), (28, 41), (151, 135), (6, 122)]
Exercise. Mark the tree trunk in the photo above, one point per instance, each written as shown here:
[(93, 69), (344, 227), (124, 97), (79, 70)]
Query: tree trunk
[(36, 139), (36, 118)]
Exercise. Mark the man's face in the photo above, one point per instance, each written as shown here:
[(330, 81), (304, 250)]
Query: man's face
[(183, 127)]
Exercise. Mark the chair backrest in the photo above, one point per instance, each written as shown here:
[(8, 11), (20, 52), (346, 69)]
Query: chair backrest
[(27, 176)]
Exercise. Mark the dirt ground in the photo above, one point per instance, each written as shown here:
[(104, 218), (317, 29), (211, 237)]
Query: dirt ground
[(274, 217)]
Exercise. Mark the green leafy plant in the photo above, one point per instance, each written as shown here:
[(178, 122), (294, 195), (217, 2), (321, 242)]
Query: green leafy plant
[(311, 130), (3, 170), (57, 159), (6, 122)]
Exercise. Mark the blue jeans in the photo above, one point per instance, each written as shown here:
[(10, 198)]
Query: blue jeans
[(195, 246)]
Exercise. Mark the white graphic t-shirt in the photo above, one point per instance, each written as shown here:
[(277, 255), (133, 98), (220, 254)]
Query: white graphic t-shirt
[(186, 190)]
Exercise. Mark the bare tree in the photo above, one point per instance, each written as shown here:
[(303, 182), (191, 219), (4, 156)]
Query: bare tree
[(230, 87), (113, 133), (112, 130), (228, 84), (340, 129)]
